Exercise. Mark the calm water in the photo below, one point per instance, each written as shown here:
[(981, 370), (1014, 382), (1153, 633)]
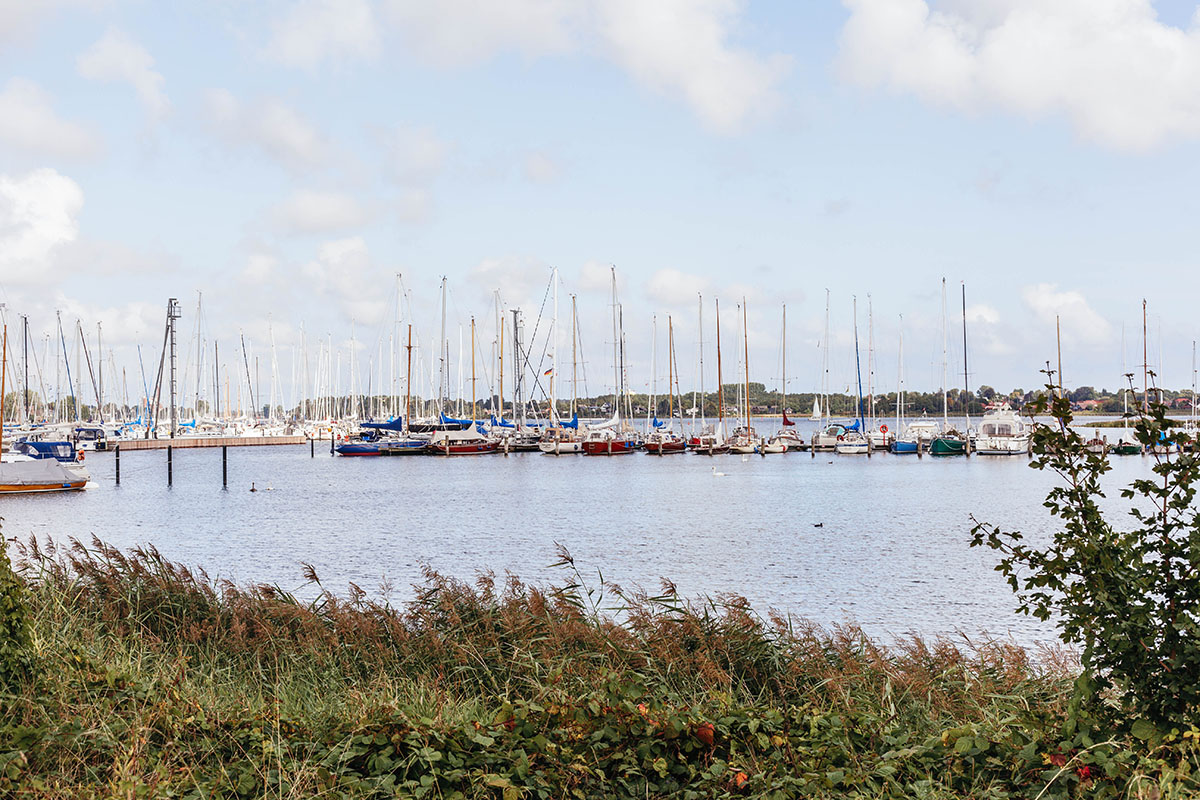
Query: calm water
[(891, 551)]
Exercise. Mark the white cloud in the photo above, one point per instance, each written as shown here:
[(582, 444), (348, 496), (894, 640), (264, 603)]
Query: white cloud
[(458, 32), (672, 46), (414, 205), (18, 18), (118, 58), (416, 155), (522, 281), (1118, 74), (271, 125), (38, 214), (540, 167), (1081, 324), (343, 268), (313, 31), (682, 46), (670, 287), (28, 122), (309, 211), (260, 268)]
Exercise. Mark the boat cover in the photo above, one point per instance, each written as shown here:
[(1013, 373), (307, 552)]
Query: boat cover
[(396, 424), (35, 472), (502, 423)]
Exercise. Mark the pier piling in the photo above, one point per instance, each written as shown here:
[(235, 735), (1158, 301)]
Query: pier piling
[(224, 467), (117, 454), (169, 465), (312, 448)]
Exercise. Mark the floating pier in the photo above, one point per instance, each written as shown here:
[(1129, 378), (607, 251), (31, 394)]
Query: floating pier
[(204, 441)]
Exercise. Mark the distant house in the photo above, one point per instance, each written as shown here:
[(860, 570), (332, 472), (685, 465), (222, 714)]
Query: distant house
[(1088, 405)]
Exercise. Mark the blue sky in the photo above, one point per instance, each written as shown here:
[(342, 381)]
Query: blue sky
[(288, 158)]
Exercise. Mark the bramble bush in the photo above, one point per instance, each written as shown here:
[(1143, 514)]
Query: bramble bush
[(1127, 595)]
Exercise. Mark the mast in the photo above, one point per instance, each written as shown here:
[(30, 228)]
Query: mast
[(720, 389), (858, 368), (3, 377), (783, 338), (574, 376), (652, 406), (216, 381), (671, 370), (408, 381), (616, 347), (554, 355), (99, 370), (1145, 364), (172, 315), (871, 362), (703, 419), (825, 410), (25, 363), (472, 369), (500, 325), (1058, 340), (966, 381), (945, 375), (746, 360), (900, 380), (443, 354)]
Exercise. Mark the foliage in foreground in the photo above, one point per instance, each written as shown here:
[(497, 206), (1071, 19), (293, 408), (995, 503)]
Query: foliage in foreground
[(1128, 594), (153, 681)]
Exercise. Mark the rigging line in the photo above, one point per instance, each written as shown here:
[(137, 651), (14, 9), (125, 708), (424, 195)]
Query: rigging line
[(537, 382)]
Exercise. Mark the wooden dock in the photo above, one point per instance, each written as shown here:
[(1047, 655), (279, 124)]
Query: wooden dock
[(204, 441)]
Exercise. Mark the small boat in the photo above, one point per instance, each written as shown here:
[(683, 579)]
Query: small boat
[(826, 439), (468, 442), (773, 445), (663, 442), (1003, 433), (1126, 448), (906, 445), (403, 447), (950, 443), (24, 475), (745, 441), (608, 442), (852, 443)]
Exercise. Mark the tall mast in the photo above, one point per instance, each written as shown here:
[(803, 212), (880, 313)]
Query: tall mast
[(900, 379), (858, 368), (966, 380), (783, 338), (408, 381), (3, 377), (554, 364), (25, 363), (1145, 364), (574, 377), (472, 369), (720, 389), (444, 354), (871, 362), (945, 367), (671, 370), (500, 324), (99, 370), (825, 410), (172, 315), (746, 360), (652, 406), (616, 347), (1058, 341), (703, 420)]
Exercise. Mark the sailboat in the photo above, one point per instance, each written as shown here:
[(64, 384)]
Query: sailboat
[(23, 474), (711, 441), (854, 442), (950, 442), (908, 441), (662, 439), (614, 437), (826, 437), (878, 435), (562, 438), (745, 438), (787, 438)]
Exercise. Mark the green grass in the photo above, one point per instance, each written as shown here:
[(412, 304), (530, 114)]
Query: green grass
[(153, 681)]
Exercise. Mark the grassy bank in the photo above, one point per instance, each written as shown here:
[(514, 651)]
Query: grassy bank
[(150, 680)]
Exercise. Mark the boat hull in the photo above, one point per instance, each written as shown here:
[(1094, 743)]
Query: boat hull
[(561, 448), (609, 448), (1127, 449), (358, 449), (944, 446), (663, 448), (463, 449), (905, 448), (72, 486)]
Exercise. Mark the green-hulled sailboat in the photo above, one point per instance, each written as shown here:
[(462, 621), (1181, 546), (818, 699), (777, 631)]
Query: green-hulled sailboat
[(950, 442)]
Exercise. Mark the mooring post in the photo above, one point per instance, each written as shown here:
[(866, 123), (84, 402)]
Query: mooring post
[(312, 448), (331, 441), (169, 466), (224, 466), (117, 453)]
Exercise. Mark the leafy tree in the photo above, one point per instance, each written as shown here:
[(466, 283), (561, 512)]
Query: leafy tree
[(1128, 595), (1082, 393)]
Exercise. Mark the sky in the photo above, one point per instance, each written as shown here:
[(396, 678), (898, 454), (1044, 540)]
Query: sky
[(279, 163)]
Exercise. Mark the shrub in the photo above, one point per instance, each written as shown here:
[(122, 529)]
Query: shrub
[(1129, 595), (15, 638)]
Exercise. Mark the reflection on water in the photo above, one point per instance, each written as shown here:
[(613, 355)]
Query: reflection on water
[(881, 541)]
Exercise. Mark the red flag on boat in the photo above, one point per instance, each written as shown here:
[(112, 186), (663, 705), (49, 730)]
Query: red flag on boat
[(786, 421)]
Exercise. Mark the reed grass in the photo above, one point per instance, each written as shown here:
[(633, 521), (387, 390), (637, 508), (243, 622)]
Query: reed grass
[(154, 680)]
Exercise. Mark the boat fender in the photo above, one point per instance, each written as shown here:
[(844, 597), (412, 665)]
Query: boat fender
[(79, 456)]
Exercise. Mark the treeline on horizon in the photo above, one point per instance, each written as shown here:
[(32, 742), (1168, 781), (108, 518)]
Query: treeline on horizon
[(762, 402)]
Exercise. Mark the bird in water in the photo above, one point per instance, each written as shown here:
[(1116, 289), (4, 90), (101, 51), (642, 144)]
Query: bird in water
[(818, 524), (717, 474), (252, 487)]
